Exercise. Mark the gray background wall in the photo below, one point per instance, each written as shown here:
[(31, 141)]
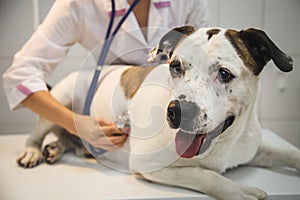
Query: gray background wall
[(279, 107)]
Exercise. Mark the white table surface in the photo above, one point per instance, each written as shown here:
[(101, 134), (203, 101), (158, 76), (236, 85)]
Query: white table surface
[(76, 178)]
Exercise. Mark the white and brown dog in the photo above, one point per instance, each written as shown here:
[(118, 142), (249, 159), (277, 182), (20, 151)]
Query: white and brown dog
[(191, 119)]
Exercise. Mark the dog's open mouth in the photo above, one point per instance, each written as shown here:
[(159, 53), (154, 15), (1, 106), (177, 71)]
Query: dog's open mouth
[(189, 145)]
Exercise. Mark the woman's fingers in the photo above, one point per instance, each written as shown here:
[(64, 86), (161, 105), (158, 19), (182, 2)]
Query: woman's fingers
[(110, 130), (118, 140), (107, 137), (103, 122)]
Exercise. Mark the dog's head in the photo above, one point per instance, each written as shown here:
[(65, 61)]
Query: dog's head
[(214, 76)]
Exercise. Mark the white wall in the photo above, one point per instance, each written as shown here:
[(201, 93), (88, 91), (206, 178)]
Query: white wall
[(279, 107)]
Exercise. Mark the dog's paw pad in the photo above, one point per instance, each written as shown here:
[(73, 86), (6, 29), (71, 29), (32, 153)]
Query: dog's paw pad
[(52, 153), (30, 157)]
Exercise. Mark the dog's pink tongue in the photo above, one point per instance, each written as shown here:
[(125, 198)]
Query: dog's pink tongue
[(187, 145)]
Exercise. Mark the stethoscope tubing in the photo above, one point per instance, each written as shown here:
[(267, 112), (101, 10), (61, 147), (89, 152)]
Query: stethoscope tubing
[(107, 43)]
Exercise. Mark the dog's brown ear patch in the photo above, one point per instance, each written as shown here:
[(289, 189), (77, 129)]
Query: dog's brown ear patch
[(256, 49), (170, 40), (244, 54), (212, 32), (132, 79)]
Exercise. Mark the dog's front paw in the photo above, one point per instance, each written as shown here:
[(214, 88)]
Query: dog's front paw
[(296, 159), (239, 193), (30, 157), (256, 193), (52, 152), (250, 193)]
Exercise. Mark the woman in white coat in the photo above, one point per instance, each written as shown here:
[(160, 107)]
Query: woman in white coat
[(85, 22)]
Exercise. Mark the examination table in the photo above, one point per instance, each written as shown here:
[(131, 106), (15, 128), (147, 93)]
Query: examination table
[(74, 178)]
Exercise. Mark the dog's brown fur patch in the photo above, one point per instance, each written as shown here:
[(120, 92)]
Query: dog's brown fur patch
[(241, 49), (132, 79), (212, 32)]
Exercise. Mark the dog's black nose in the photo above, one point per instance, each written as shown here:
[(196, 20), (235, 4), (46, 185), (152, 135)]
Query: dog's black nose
[(182, 114)]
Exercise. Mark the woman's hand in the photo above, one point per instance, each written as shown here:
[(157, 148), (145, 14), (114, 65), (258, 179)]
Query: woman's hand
[(99, 133)]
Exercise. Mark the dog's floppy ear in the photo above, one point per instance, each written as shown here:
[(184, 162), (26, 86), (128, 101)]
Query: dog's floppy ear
[(262, 50), (169, 41)]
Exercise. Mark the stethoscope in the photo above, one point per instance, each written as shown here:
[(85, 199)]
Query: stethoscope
[(107, 42)]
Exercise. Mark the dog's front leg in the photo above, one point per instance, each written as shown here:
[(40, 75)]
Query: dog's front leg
[(32, 155), (206, 181), (271, 156)]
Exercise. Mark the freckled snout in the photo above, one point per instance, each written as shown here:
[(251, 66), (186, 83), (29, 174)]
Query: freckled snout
[(183, 114)]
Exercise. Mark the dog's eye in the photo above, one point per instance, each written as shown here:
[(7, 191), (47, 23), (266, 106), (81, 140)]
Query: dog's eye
[(224, 75), (175, 68)]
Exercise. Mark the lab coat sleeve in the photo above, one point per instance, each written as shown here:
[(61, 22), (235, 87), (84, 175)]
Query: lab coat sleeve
[(198, 14), (42, 52)]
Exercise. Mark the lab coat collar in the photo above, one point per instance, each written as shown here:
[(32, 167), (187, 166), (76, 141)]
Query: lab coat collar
[(154, 20), (156, 16), (120, 6)]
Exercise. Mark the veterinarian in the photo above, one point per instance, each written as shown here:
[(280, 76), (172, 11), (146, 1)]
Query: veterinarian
[(85, 22)]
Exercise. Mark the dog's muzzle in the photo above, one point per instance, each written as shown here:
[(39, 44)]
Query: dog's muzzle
[(183, 114), (189, 142)]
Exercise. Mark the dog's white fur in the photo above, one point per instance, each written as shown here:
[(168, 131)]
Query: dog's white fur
[(150, 151)]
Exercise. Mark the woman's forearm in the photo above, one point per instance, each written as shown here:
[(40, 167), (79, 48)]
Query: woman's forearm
[(97, 132), (49, 108)]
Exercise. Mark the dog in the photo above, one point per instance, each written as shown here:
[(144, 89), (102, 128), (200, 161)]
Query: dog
[(191, 119)]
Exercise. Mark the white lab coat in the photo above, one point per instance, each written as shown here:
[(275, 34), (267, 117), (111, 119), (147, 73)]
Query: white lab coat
[(85, 22)]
